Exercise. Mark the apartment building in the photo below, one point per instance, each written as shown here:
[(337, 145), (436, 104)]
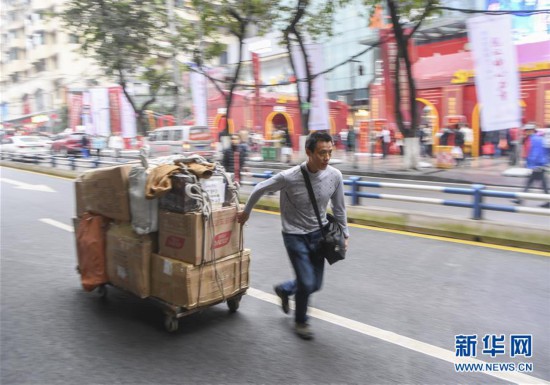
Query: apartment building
[(38, 63)]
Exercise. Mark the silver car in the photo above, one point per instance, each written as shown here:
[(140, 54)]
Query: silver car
[(23, 147)]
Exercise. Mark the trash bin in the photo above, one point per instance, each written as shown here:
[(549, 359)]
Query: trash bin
[(269, 153), (444, 157)]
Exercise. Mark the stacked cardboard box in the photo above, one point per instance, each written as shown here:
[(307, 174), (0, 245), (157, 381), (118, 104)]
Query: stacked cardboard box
[(182, 236), (191, 261), (187, 285)]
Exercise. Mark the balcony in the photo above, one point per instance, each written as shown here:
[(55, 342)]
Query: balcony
[(14, 66), (40, 52)]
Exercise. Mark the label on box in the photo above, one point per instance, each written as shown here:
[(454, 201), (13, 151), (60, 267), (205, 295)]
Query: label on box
[(167, 268), (215, 188), (121, 272), (175, 242), (222, 239)]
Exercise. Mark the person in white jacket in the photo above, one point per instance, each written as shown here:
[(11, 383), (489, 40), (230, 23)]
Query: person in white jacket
[(116, 143)]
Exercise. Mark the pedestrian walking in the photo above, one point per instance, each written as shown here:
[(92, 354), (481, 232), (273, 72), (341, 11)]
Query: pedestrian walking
[(228, 160), (385, 137), (427, 141), (116, 143), (98, 144), (514, 142), (85, 146), (300, 228), (536, 161)]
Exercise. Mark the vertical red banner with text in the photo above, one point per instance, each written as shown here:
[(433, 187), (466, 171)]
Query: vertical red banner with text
[(114, 108), (75, 105), (388, 53)]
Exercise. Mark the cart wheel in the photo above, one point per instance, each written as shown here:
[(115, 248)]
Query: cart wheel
[(102, 291), (233, 304), (170, 323)]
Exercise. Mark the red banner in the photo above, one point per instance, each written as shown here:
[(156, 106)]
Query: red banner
[(256, 72), (75, 110), (388, 54), (114, 108)]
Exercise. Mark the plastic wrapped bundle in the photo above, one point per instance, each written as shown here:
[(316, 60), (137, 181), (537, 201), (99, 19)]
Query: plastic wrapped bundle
[(144, 211)]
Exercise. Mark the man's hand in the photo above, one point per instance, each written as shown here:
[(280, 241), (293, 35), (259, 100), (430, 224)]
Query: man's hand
[(242, 217)]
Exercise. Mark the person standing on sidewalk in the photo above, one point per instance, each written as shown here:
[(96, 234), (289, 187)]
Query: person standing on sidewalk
[(85, 146), (536, 161), (301, 233), (385, 137), (116, 143), (513, 140)]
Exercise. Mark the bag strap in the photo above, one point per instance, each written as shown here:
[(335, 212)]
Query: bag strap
[(311, 195)]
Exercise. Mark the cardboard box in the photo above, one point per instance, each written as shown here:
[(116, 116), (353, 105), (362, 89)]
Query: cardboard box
[(129, 258), (104, 191), (189, 286), (181, 236)]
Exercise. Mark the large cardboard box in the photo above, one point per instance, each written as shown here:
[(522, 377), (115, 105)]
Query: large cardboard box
[(129, 258), (104, 191), (181, 236), (189, 286)]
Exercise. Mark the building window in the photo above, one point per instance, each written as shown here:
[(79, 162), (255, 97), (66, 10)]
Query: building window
[(73, 39), (223, 58), (40, 66), (36, 16), (39, 99), (13, 54), (53, 62), (39, 38), (14, 78)]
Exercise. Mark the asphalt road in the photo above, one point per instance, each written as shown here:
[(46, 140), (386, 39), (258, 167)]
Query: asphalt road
[(389, 314)]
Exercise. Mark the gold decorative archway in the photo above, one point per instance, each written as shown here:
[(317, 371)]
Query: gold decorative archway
[(435, 128), (217, 121), (269, 123)]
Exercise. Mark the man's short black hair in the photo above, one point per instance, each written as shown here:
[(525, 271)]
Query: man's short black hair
[(317, 136)]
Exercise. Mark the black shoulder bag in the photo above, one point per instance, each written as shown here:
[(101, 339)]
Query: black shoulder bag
[(333, 244)]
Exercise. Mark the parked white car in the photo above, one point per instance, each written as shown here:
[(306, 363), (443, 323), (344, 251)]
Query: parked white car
[(23, 147)]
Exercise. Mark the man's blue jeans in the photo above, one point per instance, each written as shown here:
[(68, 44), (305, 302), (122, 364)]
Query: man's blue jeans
[(308, 265)]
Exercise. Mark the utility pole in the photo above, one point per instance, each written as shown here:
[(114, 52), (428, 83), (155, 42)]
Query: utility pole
[(176, 70)]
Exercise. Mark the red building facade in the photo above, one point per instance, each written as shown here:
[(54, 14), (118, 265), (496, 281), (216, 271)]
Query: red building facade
[(265, 113)]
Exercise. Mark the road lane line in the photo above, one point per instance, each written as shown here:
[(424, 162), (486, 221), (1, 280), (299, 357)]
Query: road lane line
[(397, 339), (58, 224), (372, 331), (436, 237)]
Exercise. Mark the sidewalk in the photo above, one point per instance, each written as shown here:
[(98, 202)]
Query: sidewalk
[(482, 170)]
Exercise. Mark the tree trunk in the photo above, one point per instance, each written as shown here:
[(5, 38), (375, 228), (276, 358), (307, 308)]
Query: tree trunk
[(411, 146)]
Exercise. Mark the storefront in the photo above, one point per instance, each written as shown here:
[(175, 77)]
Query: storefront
[(265, 114), (446, 85)]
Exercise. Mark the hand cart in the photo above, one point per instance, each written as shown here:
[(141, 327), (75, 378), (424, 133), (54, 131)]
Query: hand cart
[(172, 313)]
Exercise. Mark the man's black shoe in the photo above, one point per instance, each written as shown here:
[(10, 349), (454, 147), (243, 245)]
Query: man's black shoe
[(284, 299)]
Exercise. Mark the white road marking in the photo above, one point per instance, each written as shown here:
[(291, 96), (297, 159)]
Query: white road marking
[(372, 331), (58, 224), (27, 186), (397, 339)]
